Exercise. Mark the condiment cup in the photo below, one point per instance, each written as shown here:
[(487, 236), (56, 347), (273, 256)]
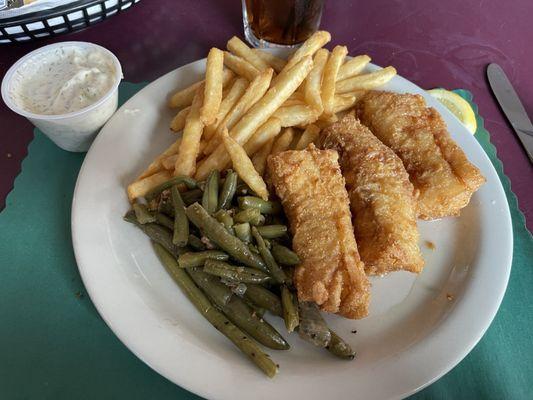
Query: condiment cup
[(73, 131)]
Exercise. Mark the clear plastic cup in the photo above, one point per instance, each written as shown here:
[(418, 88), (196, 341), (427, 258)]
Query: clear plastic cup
[(73, 131)]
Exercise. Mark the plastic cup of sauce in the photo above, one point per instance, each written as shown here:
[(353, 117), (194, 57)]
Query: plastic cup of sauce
[(68, 90)]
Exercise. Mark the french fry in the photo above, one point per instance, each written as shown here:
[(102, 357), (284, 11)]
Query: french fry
[(240, 66), (293, 102), (366, 81), (298, 114), (283, 141), (329, 77), (213, 86), (169, 162), (140, 187), (296, 138), (183, 98), (229, 100), (297, 96), (178, 122), (156, 165), (276, 63), (255, 90), (267, 131), (239, 48), (353, 67), (313, 82), (190, 142), (260, 112), (309, 47), (260, 158), (244, 166), (309, 136), (346, 101)]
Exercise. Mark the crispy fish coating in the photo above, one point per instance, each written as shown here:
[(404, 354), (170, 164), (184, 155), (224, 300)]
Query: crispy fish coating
[(437, 167), (311, 188), (381, 198)]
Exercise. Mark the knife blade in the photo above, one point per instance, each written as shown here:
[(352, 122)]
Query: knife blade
[(512, 106)]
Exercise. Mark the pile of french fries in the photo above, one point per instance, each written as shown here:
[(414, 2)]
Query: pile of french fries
[(252, 104)]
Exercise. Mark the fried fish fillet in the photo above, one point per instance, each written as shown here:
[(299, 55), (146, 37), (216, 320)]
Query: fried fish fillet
[(311, 188), (381, 198), (437, 167)]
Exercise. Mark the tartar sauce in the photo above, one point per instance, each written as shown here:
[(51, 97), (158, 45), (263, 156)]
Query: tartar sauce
[(63, 80)]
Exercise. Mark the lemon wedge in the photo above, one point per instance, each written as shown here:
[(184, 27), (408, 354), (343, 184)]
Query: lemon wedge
[(458, 106)]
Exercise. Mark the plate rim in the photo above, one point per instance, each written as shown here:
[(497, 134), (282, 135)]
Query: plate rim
[(201, 391)]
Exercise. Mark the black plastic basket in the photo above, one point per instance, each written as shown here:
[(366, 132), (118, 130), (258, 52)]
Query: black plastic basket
[(63, 19)]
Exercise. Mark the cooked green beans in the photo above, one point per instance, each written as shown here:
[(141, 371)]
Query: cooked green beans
[(312, 327), (219, 293), (210, 197), (198, 259), (250, 215), (215, 317), (163, 220), (228, 190), (273, 267), (221, 237), (265, 207), (235, 273), (243, 232), (188, 181), (284, 255), (290, 310), (192, 196), (225, 219), (196, 243), (339, 347), (263, 298), (181, 223), (239, 312), (142, 214), (157, 233), (272, 231)]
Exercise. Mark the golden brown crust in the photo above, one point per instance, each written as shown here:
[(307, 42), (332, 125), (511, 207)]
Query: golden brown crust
[(311, 188), (437, 167), (381, 198)]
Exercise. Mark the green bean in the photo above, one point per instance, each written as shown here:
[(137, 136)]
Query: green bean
[(198, 259), (177, 180), (312, 327), (218, 293), (251, 215), (196, 243), (273, 267), (228, 190), (157, 233), (284, 255), (192, 196), (239, 312), (264, 206), (225, 219), (272, 231), (210, 197), (339, 347), (259, 311), (290, 310), (181, 223), (243, 232), (222, 238), (215, 317), (142, 214), (235, 273), (163, 220), (165, 207), (263, 298)]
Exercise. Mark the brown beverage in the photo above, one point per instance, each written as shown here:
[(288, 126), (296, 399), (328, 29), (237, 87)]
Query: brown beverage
[(283, 22)]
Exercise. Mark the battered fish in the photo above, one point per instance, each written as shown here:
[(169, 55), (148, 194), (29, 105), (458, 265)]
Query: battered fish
[(311, 188), (437, 167), (381, 197)]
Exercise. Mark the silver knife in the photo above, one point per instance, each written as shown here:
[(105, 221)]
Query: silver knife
[(511, 106)]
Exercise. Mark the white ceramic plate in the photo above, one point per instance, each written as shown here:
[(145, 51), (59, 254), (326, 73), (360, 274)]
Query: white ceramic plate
[(418, 329)]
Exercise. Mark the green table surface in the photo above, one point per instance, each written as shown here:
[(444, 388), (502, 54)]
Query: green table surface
[(54, 345)]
